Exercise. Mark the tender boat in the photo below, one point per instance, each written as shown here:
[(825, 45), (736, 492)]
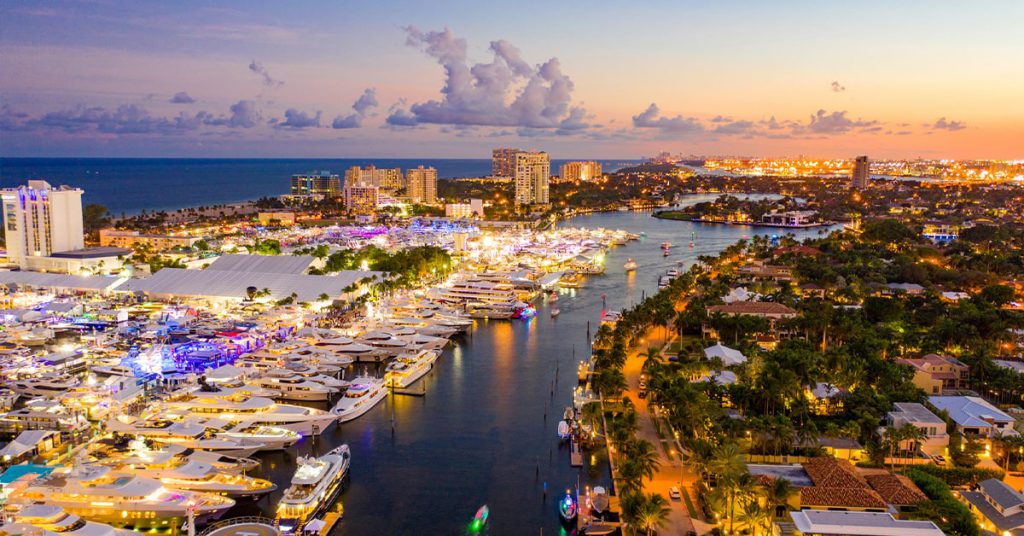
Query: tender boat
[(630, 265), (314, 488), (564, 430), (362, 394), (567, 507), (599, 500), (480, 519)]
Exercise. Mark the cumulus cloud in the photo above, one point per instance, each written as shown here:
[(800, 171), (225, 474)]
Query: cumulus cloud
[(243, 114), (126, 119), (361, 108), (943, 124), (741, 127), (507, 92), (837, 87), (181, 98), (268, 80), (11, 120), (297, 120), (652, 118), (823, 122)]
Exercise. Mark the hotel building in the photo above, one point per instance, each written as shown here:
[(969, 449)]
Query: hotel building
[(422, 185), (388, 179), (40, 220), (533, 172), (323, 183), (127, 239), (361, 198), (581, 171)]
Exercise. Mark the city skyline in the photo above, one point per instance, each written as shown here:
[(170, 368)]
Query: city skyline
[(934, 80)]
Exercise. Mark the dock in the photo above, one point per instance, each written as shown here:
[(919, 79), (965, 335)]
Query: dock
[(410, 392), (576, 454), (330, 520)]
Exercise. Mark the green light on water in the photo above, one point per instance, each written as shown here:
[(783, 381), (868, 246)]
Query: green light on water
[(475, 526)]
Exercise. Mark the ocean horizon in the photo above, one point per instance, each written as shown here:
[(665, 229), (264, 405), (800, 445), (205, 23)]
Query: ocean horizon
[(130, 185)]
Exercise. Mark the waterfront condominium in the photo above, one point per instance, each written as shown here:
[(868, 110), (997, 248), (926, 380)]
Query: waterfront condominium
[(422, 185), (316, 183), (581, 171), (387, 179), (40, 220), (859, 175), (533, 171), (361, 198), (503, 163)]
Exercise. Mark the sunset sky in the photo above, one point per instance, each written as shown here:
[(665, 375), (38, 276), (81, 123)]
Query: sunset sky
[(599, 79)]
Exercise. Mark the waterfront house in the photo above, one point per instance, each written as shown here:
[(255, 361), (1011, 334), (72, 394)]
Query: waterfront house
[(825, 398), (769, 310), (798, 249), (832, 523), (936, 438), (998, 507), (936, 374), (973, 415)]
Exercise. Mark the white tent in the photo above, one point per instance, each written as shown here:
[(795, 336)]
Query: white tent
[(728, 356), (25, 442)]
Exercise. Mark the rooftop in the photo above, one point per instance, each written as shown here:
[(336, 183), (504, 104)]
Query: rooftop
[(917, 413), (970, 411), (752, 308), (268, 264), (860, 524), (92, 253)]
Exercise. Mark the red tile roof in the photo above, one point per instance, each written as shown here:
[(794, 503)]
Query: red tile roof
[(753, 308), (830, 497), (896, 489)]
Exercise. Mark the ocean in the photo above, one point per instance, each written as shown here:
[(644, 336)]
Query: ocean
[(130, 185)]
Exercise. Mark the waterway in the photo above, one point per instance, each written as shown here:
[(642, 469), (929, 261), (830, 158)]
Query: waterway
[(485, 431)]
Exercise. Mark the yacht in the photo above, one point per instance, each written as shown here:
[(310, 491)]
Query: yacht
[(362, 394), (314, 488), (630, 265), (50, 520), (45, 385), (485, 310), (105, 496), (294, 388), (272, 437), (610, 318), (407, 369), (187, 434), (242, 408), (471, 290), (114, 370), (192, 475)]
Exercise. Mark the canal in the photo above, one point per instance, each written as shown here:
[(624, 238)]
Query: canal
[(485, 433)]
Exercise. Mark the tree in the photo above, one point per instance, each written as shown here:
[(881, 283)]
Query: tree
[(652, 513), (95, 217)]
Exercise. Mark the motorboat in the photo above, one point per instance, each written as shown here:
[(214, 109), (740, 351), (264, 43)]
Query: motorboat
[(555, 312), (599, 500), (407, 369), (47, 385), (568, 508), (188, 434), (666, 246), (272, 437), (114, 370), (294, 388), (480, 519), (362, 394), (610, 318), (242, 408), (630, 265), (314, 488), (51, 520), (564, 430), (107, 496)]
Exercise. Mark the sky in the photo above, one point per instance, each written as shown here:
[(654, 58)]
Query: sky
[(454, 79)]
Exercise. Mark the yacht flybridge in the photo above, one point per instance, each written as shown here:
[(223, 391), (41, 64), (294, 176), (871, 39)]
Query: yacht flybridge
[(362, 394), (50, 520)]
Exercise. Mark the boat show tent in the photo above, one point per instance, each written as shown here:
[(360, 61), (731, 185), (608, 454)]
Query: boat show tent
[(28, 442), (61, 282), (232, 285), (267, 264)]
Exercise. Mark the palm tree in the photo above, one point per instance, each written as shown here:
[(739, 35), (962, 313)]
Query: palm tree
[(653, 513), (651, 358), (643, 453), (778, 494), (729, 468)]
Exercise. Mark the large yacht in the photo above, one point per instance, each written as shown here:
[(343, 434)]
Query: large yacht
[(50, 520), (406, 369), (244, 409), (272, 437), (46, 385), (105, 496), (294, 388), (472, 290), (188, 475), (314, 488), (188, 434), (362, 394)]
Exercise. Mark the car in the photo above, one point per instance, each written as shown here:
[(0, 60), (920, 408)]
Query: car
[(939, 460), (674, 493)]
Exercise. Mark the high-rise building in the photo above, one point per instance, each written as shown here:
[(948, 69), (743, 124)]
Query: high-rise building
[(387, 179), (40, 220), (503, 163), (422, 184), (581, 171), (316, 183), (860, 173), (533, 171), (361, 198)]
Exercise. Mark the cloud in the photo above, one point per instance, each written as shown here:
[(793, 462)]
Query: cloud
[(837, 87), (126, 119), (297, 120), (362, 107), (268, 81), (823, 122), (736, 128), (400, 116), (942, 124), (650, 118), (11, 121), (181, 98), (243, 114), (507, 92)]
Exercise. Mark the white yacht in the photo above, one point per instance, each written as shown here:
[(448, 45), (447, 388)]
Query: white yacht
[(190, 475), (362, 394), (315, 486), (114, 370), (191, 435), (272, 437), (106, 496), (294, 388), (50, 520), (407, 369), (472, 290), (242, 408), (45, 385)]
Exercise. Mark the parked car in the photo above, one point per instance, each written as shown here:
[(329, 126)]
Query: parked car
[(674, 493)]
